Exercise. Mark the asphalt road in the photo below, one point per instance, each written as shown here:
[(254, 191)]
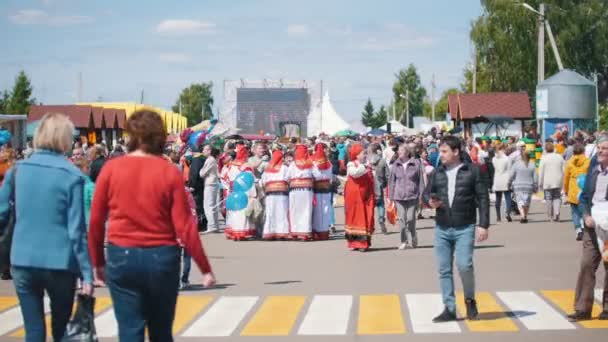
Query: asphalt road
[(321, 291)]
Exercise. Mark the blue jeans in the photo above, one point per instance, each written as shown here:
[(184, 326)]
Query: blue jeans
[(30, 285), (459, 242), (186, 265), (143, 284), (577, 216), (380, 210)]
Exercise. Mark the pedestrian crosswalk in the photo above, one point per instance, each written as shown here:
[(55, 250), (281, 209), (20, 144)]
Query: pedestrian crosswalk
[(335, 315)]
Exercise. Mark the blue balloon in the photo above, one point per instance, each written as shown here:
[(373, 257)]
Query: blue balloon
[(237, 201), (5, 137), (193, 138), (580, 181), (243, 182)]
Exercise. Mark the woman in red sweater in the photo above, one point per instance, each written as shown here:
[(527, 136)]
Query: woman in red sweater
[(143, 198)]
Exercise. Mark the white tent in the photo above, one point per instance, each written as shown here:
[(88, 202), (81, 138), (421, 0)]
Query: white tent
[(324, 118)]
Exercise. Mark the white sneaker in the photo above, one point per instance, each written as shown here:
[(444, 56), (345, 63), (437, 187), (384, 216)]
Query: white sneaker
[(403, 246)]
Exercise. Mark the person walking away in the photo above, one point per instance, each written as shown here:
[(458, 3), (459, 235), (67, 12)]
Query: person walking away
[(577, 166), (551, 177), (258, 163), (323, 185), (381, 174), (210, 176), (502, 168), (98, 159), (523, 180), (274, 180), (301, 195), (359, 201), (594, 196), (405, 188), (457, 191), (49, 247), (197, 187), (141, 263), (428, 169)]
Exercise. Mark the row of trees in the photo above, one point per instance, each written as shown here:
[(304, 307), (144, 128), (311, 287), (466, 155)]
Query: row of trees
[(19, 99), (505, 41)]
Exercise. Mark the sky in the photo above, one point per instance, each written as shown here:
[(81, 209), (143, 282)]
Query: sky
[(121, 47)]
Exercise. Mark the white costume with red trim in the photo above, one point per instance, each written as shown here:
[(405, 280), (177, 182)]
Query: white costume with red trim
[(276, 188), (300, 201)]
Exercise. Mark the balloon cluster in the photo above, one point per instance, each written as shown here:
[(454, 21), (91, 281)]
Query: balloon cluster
[(5, 136), (194, 137), (238, 199)]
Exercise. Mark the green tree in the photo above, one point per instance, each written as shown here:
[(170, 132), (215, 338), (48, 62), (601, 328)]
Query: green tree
[(20, 98), (441, 107), (408, 81), (368, 117), (380, 117), (4, 100), (196, 102), (505, 39)]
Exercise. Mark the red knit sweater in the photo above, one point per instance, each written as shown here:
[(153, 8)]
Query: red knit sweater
[(146, 205)]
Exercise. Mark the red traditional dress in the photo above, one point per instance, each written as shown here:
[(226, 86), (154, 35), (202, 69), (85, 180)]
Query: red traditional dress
[(322, 209), (301, 194), (238, 225), (358, 202), (276, 188)]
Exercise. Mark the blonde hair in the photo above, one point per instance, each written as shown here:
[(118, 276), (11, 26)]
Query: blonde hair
[(55, 133)]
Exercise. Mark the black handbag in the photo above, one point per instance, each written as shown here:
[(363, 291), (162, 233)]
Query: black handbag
[(6, 239), (82, 326)]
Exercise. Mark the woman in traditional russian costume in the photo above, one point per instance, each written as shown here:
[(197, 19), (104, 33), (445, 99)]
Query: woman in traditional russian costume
[(276, 187), (359, 201), (238, 225), (301, 195), (322, 209)]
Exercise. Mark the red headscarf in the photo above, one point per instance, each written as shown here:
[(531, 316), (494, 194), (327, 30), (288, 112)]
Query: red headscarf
[(354, 151), (320, 158), (275, 162), (242, 156), (302, 158)]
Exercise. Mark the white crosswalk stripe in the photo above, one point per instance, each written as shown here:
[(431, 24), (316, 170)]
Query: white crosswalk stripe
[(599, 293), (222, 318), (12, 319), (106, 324), (327, 315), (534, 312), (422, 309)]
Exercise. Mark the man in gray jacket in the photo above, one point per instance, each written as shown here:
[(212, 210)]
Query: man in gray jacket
[(381, 173)]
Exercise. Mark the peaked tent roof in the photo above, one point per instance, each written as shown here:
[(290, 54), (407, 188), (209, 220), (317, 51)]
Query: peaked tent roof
[(567, 77), (325, 119)]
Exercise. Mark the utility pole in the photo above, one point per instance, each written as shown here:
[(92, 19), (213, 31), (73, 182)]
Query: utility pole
[(474, 70), (541, 55), (433, 98), (141, 98), (407, 108), (597, 104)]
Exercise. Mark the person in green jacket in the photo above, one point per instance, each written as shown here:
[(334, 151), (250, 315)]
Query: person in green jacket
[(89, 187)]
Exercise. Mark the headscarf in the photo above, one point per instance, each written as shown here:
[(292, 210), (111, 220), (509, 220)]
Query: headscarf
[(319, 158), (301, 157), (354, 151), (276, 162), (242, 155)]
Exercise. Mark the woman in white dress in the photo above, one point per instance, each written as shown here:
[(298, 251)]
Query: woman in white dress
[(276, 188), (301, 194), (322, 205), (238, 225)]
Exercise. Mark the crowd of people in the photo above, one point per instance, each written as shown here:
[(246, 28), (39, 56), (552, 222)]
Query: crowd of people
[(99, 216)]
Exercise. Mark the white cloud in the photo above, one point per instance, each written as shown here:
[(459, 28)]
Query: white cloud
[(38, 17), (298, 30), (184, 27), (175, 58)]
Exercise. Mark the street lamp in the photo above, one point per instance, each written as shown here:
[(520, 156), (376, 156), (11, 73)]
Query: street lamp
[(407, 107), (542, 23)]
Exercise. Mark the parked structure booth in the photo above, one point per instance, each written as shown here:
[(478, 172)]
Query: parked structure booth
[(490, 114), (566, 101)]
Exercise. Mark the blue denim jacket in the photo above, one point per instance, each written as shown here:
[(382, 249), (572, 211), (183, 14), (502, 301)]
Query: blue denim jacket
[(50, 230)]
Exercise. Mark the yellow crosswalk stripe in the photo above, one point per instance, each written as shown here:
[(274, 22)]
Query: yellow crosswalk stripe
[(188, 307), (379, 315), (492, 316), (8, 302), (565, 301), (276, 316)]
